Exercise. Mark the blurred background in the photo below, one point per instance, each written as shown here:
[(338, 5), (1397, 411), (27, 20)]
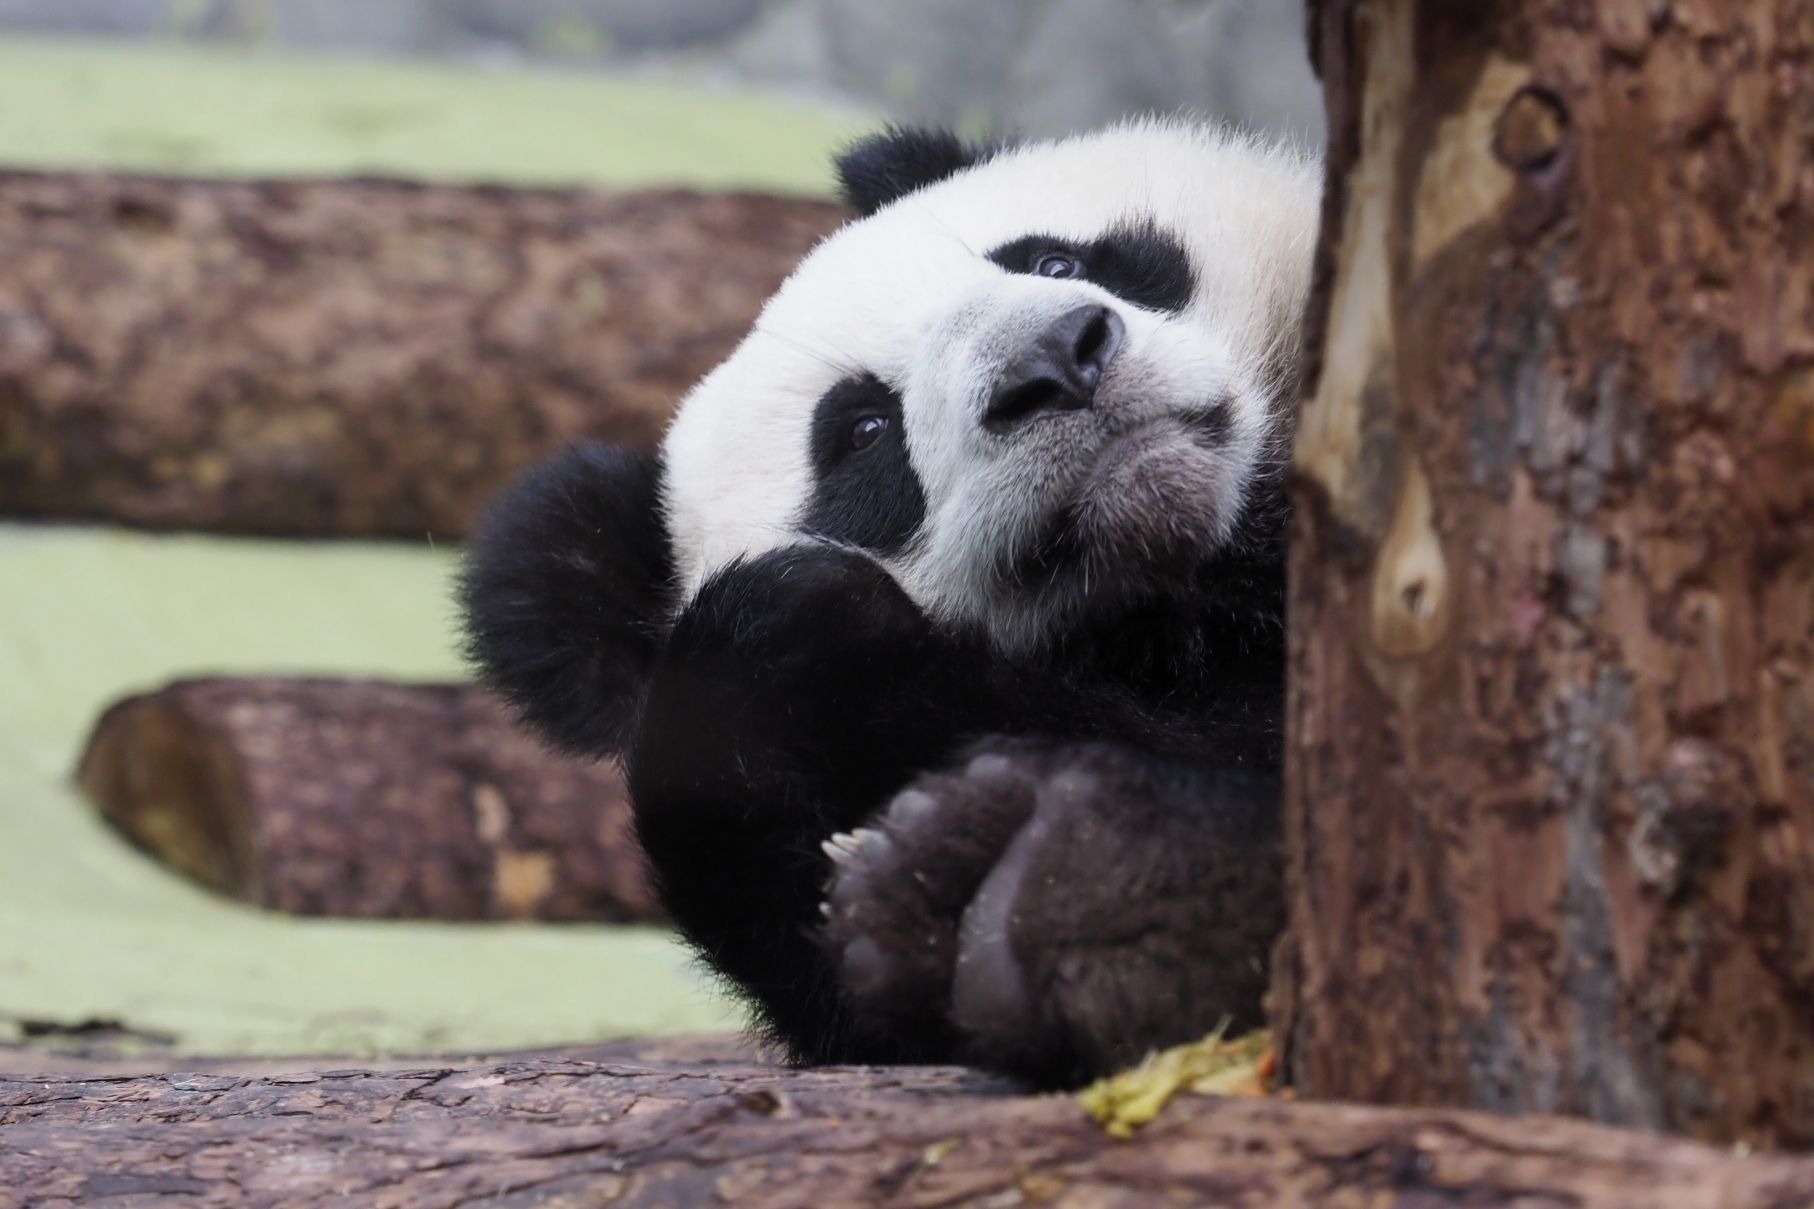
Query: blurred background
[(287, 289), (1032, 67)]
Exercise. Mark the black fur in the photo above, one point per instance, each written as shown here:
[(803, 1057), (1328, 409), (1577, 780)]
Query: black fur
[(802, 690), (1138, 261), (566, 590), (1059, 909), (799, 690), (884, 167), (869, 497)]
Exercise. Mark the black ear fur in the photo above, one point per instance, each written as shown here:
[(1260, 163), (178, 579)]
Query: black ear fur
[(882, 167), (567, 593)]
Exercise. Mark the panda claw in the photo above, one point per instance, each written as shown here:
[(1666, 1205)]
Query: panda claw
[(840, 847), (872, 844)]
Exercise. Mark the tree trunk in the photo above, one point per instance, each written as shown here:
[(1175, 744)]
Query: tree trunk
[(1551, 789), (356, 798), (631, 1126), (351, 357)]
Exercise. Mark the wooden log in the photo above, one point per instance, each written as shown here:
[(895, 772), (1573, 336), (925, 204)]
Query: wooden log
[(360, 798), (351, 357), (631, 1126), (1550, 804)]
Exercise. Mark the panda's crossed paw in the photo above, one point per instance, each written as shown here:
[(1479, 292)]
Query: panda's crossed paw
[(802, 604), (1135, 910), (973, 915), (901, 883)]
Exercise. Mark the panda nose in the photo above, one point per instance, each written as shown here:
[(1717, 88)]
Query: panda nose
[(1059, 370)]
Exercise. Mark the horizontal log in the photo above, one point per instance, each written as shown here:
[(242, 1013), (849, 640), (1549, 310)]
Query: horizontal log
[(361, 798), (351, 357), (640, 1124)]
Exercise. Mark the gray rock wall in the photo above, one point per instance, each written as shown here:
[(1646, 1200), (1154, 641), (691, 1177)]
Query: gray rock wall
[(987, 66)]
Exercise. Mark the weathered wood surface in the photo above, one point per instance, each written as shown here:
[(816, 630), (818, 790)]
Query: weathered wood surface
[(363, 798), (351, 357), (641, 1125), (23, 1063), (1551, 791)]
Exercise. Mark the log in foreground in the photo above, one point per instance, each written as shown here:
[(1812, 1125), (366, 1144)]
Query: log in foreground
[(1551, 796), (661, 1124), (360, 798), (351, 357)]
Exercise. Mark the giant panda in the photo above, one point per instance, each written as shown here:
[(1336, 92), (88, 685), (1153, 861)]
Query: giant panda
[(942, 639)]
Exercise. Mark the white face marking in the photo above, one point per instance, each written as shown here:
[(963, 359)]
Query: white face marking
[(908, 296)]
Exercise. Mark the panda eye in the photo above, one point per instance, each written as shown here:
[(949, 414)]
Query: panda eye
[(1057, 264), (866, 431)]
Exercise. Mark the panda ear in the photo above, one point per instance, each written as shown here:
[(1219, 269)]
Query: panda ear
[(567, 592), (876, 170)]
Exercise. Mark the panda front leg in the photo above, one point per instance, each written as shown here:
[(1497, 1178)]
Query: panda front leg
[(796, 693), (1130, 901)]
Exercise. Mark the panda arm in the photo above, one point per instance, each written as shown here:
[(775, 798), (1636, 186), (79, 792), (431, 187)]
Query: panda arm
[(797, 691)]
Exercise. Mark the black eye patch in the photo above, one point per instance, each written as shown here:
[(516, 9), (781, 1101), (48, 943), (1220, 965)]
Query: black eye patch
[(1137, 261), (865, 490)]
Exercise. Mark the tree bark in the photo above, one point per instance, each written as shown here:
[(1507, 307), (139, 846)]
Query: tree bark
[(351, 357), (1551, 789), (631, 1126), (357, 798)]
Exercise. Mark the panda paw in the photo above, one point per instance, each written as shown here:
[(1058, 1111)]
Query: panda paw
[(1057, 911), (798, 607), (900, 886)]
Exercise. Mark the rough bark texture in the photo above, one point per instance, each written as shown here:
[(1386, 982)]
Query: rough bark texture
[(1551, 795), (357, 798), (350, 357), (632, 1126)]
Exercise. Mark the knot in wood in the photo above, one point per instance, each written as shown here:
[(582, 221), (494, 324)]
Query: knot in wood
[(1531, 129), (761, 1101), (143, 215), (1411, 605), (1685, 816)]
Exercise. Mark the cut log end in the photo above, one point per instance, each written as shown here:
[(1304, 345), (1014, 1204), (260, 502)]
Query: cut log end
[(168, 784), (358, 798)]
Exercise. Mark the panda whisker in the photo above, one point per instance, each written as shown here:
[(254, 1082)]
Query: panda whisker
[(833, 360), (945, 228)]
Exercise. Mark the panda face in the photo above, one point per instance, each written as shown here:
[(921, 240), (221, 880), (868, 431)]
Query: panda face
[(1035, 387)]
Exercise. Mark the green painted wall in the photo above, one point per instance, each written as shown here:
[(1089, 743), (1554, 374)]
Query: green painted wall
[(198, 111), (90, 929)]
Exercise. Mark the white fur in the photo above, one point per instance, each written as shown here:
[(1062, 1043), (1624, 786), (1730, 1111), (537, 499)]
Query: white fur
[(908, 295)]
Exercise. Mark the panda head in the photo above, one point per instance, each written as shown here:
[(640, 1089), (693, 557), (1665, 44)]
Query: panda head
[(1034, 383)]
